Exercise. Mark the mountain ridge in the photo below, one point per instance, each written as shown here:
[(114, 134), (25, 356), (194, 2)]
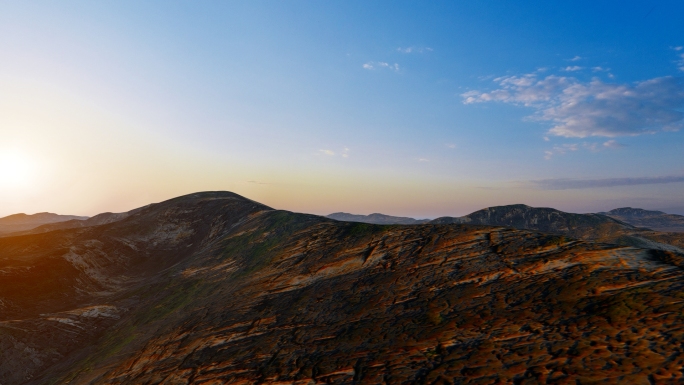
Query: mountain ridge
[(655, 220), (376, 218), (22, 222), (215, 288)]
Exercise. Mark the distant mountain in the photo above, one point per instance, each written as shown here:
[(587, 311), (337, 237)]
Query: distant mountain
[(21, 222), (214, 288), (594, 227), (97, 220), (542, 219), (376, 218), (654, 220)]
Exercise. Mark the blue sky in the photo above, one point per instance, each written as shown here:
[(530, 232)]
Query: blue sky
[(405, 108)]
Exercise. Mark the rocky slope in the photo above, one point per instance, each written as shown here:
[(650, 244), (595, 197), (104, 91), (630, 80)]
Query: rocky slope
[(377, 219), (22, 222), (654, 220), (214, 288)]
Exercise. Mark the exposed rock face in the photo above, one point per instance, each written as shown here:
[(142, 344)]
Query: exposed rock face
[(214, 288), (377, 219), (21, 222), (654, 220)]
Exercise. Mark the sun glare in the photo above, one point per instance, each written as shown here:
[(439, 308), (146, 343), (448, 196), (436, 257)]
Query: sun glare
[(16, 170)]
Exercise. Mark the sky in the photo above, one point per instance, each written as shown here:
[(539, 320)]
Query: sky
[(420, 109)]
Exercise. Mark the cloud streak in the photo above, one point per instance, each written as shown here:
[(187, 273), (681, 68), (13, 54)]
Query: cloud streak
[(371, 65), (414, 49), (560, 150), (573, 68), (585, 109), (572, 184)]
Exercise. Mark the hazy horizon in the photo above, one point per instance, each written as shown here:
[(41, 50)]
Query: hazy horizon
[(402, 108), (333, 212)]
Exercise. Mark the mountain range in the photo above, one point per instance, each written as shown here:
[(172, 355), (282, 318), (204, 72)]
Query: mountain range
[(20, 222), (653, 220), (215, 288)]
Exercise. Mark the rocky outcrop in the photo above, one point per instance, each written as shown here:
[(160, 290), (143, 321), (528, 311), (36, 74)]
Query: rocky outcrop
[(214, 288)]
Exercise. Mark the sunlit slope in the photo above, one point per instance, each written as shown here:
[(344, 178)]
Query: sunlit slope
[(214, 288)]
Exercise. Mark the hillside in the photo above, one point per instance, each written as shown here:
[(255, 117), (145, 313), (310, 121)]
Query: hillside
[(22, 222), (216, 288), (654, 220)]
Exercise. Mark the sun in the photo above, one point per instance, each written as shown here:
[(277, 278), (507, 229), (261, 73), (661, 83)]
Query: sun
[(16, 170)]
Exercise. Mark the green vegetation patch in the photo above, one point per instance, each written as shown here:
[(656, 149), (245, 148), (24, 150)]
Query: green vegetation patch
[(255, 249), (360, 230), (177, 297)]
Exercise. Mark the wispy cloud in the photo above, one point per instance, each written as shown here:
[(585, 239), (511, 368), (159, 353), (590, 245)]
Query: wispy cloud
[(450, 145), (563, 149), (576, 58), (380, 65), (584, 109), (680, 56), (414, 49), (343, 153), (571, 184), (600, 69), (613, 144), (560, 150), (423, 159), (573, 68)]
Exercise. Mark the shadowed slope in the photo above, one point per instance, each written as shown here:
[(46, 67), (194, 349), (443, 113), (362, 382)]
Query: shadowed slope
[(48, 279)]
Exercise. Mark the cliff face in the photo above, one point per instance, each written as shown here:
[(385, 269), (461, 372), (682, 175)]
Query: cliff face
[(214, 288)]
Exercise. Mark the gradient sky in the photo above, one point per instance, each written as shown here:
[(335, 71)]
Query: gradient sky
[(420, 109)]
